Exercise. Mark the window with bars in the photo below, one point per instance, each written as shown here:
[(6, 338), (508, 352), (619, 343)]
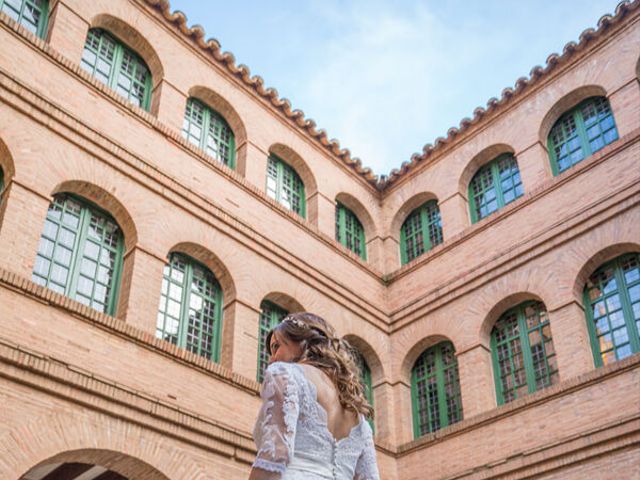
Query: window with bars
[(435, 390), (285, 186), (208, 130), (117, 66), (31, 14), (190, 311), (581, 132), (493, 186), (270, 316), (524, 359), (421, 231), (80, 253), (349, 231), (365, 378), (612, 306)]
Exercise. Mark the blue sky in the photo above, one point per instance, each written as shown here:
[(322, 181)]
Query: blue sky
[(387, 77)]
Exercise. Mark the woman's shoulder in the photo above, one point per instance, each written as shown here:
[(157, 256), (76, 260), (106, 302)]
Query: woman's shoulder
[(280, 369)]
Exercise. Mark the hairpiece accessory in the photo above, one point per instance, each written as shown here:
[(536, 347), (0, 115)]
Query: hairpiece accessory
[(295, 321)]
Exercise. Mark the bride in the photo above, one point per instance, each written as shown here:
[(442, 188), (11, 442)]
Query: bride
[(312, 425)]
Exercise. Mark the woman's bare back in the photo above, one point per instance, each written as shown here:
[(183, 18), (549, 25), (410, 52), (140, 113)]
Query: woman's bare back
[(340, 421)]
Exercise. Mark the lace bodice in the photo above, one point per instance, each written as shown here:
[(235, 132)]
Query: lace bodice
[(293, 439)]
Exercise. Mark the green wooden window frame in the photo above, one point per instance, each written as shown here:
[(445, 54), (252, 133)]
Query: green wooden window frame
[(435, 390), (421, 231), (365, 379), (190, 310), (349, 231), (208, 130), (117, 66), (31, 14), (270, 316), (612, 307), (285, 186), (80, 253), (494, 185), (523, 355), (580, 132)]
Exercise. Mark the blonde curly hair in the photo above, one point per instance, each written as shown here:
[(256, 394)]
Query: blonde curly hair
[(324, 349)]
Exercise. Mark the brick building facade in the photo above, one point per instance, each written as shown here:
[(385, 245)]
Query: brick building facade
[(491, 285)]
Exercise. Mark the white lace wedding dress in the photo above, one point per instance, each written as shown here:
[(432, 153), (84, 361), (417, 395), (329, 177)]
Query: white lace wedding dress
[(293, 439)]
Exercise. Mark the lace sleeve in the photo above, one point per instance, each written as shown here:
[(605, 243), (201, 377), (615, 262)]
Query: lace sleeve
[(367, 466), (275, 428)]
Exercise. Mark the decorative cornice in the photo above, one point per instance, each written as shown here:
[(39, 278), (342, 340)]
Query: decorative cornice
[(480, 115)]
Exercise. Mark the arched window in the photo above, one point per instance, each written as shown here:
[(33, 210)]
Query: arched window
[(524, 359), (612, 306), (117, 66), (349, 231), (207, 129), (80, 253), (421, 231), (493, 186), (285, 186), (435, 390), (190, 311), (365, 378), (270, 316), (31, 14), (581, 132)]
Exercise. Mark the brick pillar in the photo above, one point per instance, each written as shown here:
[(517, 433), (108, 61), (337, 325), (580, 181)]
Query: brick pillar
[(67, 32), (140, 289), (321, 212), (255, 165), (240, 338), (375, 253), (625, 105), (571, 340), (454, 211), (168, 104), (534, 166), (23, 218), (383, 399), (402, 413), (391, 252), (477, 386)]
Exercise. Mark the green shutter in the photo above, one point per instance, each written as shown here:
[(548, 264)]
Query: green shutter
[(80, 253), (270, 316), (420, 232), (117, 66), (349, 231), (435, 390), (190, 311), (612, 307), (285, 186), (524, 359), (581, 132), (493, 186), (31, 14), (208, 130)]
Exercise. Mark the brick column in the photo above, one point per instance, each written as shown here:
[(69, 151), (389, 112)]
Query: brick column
[(391, 254), (534, 166), (168, 104), (477, 386), (240, 338), (454, 211), (321, 212), (140, 289), (402, 413), (67, 32), (24, 212), (375, 253), (571, 340), (383, 400), (255, 165)]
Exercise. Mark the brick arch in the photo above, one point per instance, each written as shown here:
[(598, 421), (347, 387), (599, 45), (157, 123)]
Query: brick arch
[(407, 207), (416, 350), (567, 102), (597, 259), (213, 263), (479, 160), (126, 446), (105, 200), (353, 204), (502, 306), (285, 301), (133, 39), (371, 357), (6, 162), (231, 115)]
